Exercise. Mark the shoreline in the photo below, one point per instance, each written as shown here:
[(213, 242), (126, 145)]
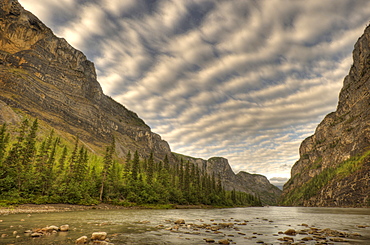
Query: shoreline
[(53, 208)]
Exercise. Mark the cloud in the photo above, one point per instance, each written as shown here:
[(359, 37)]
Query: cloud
[(246, 80)]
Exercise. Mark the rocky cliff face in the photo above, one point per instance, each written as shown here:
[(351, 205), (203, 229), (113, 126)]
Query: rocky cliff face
[(44, 76), (334, 164), (254, 184)]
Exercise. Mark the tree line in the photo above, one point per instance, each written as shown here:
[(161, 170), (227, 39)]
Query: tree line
[(45, 169)]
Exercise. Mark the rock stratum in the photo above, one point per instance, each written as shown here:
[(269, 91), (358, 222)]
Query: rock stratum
[(44, 77), (334, 165)]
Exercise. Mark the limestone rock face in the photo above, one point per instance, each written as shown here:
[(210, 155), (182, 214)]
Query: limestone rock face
[(340, 146), (42, 75), (254, 184)]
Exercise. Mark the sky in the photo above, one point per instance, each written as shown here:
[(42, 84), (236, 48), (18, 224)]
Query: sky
[(247, 80)]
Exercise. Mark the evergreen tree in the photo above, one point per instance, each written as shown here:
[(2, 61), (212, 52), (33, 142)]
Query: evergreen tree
[(108, 161), (135, 170), (14, 162), (4, 139), (150, 169)]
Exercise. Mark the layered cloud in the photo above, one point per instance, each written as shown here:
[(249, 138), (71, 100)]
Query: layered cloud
[(246, 80)]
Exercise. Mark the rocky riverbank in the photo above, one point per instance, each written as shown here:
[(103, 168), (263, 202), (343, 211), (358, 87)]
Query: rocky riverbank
[(48, 208)]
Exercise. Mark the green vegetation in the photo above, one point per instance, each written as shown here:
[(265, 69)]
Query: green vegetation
[(36, 168), (314, 185)]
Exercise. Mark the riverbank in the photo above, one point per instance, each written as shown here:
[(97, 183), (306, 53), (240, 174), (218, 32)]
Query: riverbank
[(52, 208)]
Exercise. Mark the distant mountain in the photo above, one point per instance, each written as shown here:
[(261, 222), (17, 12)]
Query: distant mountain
[(44, 77), (250, 183), (334, 164)]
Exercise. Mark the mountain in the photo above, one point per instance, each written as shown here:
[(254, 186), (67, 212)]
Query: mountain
[(255, 184), (334, 164), (44, 77)]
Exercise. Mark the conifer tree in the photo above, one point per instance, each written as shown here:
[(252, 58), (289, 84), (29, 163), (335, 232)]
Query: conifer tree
[(4, 139), (150, 169), (135, 170), (108, 161)]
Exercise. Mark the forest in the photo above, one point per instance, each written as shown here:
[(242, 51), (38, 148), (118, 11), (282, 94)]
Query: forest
[(45, 168)]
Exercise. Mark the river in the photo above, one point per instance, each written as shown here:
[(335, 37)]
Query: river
[(133, 226)]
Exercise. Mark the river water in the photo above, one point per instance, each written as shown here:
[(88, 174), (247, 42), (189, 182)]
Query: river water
[(133, 226)]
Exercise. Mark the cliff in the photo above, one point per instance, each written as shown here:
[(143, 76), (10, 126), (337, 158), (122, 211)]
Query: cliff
[(43, 76), (334, 164), (254, 184)]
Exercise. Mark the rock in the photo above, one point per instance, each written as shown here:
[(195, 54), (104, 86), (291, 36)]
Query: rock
[(101, 243), (36, 234), (223, 241), (3, 235), (337, 239), (307, 238), (82, 240), (209, 240), (100, 236), (51, 228), (342, 135), (64, 228), (362, 226), (286, 239), (290, 232), (180, 222)]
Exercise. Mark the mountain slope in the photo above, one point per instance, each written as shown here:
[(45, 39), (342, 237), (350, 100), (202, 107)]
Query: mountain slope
[(44, 77), (334, 164)]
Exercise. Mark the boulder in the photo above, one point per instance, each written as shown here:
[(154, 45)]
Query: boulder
[(36, 234), (100, 236), (82, 240), (64, 228)]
